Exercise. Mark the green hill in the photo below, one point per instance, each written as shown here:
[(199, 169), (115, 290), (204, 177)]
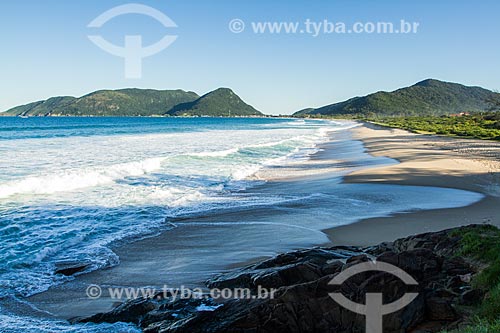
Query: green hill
[(40, 107), (429, 97), (220, 102), (139, 102)]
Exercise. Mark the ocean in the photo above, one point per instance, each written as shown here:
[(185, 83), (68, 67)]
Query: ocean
[(72, 189)]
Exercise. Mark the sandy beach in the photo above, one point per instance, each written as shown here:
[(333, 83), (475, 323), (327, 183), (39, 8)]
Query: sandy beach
[(425, 160), (322, 206)]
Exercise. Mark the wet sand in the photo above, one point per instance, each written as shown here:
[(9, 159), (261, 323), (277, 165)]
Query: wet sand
[(425, 160), (201, 246)]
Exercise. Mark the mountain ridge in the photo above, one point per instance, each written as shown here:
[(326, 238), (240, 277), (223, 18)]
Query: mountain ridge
[(211, 103), (139, 102), (427, 97)]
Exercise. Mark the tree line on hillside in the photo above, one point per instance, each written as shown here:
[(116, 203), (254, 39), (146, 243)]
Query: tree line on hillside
[(483, 125)]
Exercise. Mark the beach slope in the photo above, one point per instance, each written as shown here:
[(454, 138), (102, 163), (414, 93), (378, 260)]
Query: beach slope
[(425, 160)]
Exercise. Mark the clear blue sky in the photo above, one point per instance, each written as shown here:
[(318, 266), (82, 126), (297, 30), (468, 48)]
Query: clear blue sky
[(45, 50)]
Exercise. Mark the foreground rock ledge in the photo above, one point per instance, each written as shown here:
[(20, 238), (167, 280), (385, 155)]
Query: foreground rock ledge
[(302, 303)]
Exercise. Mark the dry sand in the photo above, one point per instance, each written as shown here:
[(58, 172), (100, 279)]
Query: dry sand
[(425, 160)]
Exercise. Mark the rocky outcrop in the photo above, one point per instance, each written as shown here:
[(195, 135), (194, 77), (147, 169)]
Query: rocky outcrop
[(301, 301), (69, 268)]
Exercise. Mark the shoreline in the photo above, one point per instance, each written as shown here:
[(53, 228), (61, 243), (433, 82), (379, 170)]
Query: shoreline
[(167, 257), (424, 160)]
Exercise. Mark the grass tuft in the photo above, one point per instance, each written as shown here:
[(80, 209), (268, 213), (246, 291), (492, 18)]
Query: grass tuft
[(483, 244), (480, 326)]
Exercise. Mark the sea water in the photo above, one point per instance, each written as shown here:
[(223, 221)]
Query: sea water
[(72, 187)]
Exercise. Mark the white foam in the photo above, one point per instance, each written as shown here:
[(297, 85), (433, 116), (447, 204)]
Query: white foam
[(221, 153), (204, 307), (245, 172), (13, 324), (70, 180)]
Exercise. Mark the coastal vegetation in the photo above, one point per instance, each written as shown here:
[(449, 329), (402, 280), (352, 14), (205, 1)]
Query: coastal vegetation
[(483, 244), (484, 125), (481, 326)]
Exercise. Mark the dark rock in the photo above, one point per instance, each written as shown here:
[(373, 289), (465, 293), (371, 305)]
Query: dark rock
[(130, 311), (456, 284), (440, 309), (302, 302), (354, 260), (389, 257), (70, 268), (357, 259), (456, 266), (285, 269), (472, 297), (332, 267)]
